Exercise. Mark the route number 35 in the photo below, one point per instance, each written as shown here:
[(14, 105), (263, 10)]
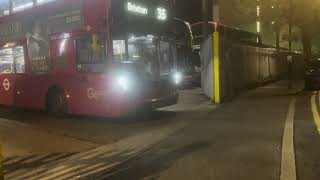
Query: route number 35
[(161, 13)]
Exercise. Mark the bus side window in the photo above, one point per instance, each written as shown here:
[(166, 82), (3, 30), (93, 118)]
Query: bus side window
[(166, 60), (6, 61), (91, 54), (19, 59), (83, 50), (12, 60), (98, 48), (119, 50)]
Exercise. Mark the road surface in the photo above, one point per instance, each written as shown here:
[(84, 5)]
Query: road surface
[(266, 133)]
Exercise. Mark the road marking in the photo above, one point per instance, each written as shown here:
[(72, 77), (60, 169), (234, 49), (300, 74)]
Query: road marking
[(22, 174), (79, 174), (56, 172), (33, 173), (96, 154), (98, 170), (14, 174), (288, 164), (126, 148), (12, 160), (315, 112), (34, 159), (56, 157)]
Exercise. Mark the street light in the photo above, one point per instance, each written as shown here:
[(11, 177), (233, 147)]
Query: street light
[(258, 17), (188, 26)]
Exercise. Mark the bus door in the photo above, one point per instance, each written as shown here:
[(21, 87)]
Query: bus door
[(91, 60), (12, 69)]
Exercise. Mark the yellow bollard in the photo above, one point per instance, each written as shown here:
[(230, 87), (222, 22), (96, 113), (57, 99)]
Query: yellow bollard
[(216, 70)]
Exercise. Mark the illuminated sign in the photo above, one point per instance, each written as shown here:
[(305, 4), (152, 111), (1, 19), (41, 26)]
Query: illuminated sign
[(161, 14), (137, 8)]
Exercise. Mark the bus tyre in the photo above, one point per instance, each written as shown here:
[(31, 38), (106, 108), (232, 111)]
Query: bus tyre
[(57, 104)]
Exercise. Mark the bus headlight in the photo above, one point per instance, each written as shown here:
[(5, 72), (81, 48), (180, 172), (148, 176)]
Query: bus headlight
[(177, 77), (123, 83)]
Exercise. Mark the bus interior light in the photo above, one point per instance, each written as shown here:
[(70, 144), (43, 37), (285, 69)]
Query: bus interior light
[(132, 38), (9, 45)]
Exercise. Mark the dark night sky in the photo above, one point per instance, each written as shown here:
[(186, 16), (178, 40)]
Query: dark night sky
[(189, 10)]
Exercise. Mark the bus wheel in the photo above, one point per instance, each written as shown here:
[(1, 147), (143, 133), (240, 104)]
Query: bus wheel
[(57, 104)]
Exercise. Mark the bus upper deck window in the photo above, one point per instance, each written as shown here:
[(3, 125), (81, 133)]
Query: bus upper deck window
[(40, 2), (21, 5), (4, 7)]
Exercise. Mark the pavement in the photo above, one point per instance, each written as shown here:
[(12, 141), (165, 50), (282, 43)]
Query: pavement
[(266, 133)]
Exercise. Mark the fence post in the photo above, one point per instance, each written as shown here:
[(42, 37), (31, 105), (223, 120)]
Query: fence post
[(216, 70)]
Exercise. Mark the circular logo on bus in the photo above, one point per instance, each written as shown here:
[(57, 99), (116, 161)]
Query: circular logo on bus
[(6, 84), (91, 93)]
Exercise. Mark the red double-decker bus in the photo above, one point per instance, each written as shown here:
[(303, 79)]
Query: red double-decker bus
[(86, 57)]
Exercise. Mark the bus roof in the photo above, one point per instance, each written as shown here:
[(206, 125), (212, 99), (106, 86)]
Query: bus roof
[(25, 7)]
